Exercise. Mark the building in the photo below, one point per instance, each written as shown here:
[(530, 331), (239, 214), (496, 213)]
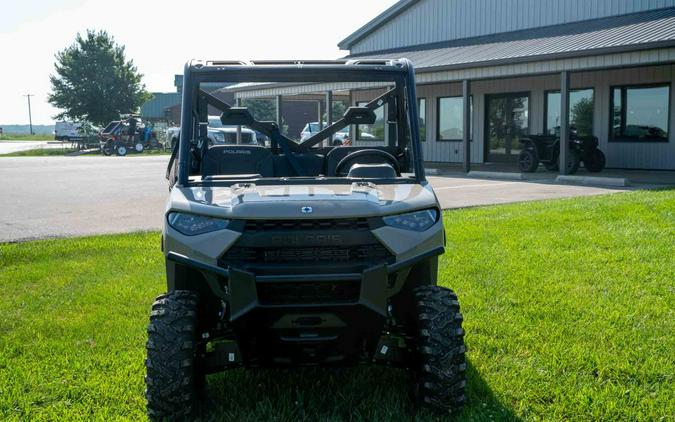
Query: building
[(510, 59), (158, 107), (165, 106)]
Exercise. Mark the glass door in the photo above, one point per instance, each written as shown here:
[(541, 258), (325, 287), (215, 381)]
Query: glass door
[(507, 119)]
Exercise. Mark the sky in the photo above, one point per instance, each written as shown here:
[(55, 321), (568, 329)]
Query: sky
[(160, 36)]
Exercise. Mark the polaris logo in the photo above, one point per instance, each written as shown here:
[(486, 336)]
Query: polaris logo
[(237, 151), (306, 210), (309, 239)]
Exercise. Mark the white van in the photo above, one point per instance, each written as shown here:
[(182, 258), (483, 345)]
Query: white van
[(67, 131)]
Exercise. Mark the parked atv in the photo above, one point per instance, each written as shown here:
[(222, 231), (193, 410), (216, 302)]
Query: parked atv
[(546, 149), (298, 254), (129, 134)]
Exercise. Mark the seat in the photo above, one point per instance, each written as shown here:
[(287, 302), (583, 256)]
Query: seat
[(311, 164), (238, 159), (338, 153), (372, 171)]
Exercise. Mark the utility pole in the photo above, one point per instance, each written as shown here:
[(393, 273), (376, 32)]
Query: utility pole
[(30, 117)]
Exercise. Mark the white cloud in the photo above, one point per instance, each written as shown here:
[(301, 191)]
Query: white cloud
[(160, 36)]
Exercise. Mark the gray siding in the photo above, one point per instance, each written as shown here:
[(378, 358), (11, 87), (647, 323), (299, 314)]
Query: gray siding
[(429, 21), (619, 155)]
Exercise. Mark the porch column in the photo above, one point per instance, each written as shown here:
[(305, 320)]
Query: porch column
[(329, 111), (319, 117), (238, 104), (279, 112), (466, 119), (564, 120)]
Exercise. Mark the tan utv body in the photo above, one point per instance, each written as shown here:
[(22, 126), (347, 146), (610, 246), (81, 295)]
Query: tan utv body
[(301, 254)]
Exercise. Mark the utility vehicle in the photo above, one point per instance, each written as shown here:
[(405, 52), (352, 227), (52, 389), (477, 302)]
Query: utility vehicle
[(299, 254), (129, 134), (546, 149)]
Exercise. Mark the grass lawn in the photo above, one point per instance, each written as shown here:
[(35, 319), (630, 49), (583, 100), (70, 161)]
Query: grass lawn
[(25, 137), (50, 152), (569, 311), (40, 152)]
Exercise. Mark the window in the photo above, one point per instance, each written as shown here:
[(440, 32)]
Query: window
[(374, 132), (422, 110), (581, 112), (640, 113), (449, 125)]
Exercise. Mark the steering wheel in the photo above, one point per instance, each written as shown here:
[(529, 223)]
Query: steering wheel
[(381, 155)]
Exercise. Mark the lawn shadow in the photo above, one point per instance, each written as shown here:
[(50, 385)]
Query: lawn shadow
[(311, 394)]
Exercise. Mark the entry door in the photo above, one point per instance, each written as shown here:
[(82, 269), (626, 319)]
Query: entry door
[(507, 120)]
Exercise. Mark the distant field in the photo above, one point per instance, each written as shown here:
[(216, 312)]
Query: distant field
[(25, 137), (569, 310)]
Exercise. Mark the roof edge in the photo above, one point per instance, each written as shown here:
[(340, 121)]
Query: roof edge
[(375, 23)]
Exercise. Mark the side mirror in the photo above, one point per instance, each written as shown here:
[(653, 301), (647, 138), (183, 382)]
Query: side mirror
[(237, 116), (359, 116)]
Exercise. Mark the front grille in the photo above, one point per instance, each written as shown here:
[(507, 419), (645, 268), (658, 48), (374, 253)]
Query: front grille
[(319, 292), (231, 138), (306, 246), (373, 253), (254, 226)]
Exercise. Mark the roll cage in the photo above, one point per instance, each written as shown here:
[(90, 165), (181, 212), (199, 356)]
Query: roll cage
[(398, 74)]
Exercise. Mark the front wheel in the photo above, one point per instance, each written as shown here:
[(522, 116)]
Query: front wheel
[(121, 150), (173, 378), (528, 161), (139, 147), (595, 161), (440, 367)]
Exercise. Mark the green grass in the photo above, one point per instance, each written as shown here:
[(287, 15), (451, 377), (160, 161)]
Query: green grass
[(39, 152), (25, 137), (569, 313), (50, 152)]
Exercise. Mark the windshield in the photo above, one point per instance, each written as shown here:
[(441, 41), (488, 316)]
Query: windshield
[(308, 131)]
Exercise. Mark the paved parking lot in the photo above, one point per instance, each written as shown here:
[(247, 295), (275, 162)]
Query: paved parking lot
[(73, 196)]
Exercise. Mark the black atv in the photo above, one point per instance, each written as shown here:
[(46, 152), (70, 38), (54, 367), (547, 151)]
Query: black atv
[(546, 149)]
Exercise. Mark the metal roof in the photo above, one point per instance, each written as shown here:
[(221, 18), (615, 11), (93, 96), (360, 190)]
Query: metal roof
[(638, 31), (375, 23)]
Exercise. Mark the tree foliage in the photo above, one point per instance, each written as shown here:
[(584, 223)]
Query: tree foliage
[(582, 116), (94, 81)]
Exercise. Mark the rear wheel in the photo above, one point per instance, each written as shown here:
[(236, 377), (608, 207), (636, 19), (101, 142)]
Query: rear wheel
[(595, 161), (139, 147), (108, 148), (440, 377), (173, 377), (528, 161), (121, 150)]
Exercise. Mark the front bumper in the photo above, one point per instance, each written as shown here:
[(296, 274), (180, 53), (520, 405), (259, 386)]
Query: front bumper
[(340, 322)]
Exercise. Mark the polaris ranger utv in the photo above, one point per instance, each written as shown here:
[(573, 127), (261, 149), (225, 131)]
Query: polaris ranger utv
[(302, 253)]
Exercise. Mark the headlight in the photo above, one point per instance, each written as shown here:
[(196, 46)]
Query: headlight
[(416, 221), (191, 224)]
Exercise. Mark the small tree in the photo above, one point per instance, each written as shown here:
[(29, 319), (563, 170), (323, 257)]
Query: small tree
[(94, 81), (582, 116)]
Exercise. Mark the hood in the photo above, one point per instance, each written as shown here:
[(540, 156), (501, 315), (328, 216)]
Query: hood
[(248, 200)]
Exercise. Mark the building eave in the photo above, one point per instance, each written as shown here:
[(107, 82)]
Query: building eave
[(375, 23)]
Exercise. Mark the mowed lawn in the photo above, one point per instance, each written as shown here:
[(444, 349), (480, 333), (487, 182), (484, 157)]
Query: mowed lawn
[(569, 311)]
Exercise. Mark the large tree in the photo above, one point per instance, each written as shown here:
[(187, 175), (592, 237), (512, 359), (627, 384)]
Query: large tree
[(94, 81)]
